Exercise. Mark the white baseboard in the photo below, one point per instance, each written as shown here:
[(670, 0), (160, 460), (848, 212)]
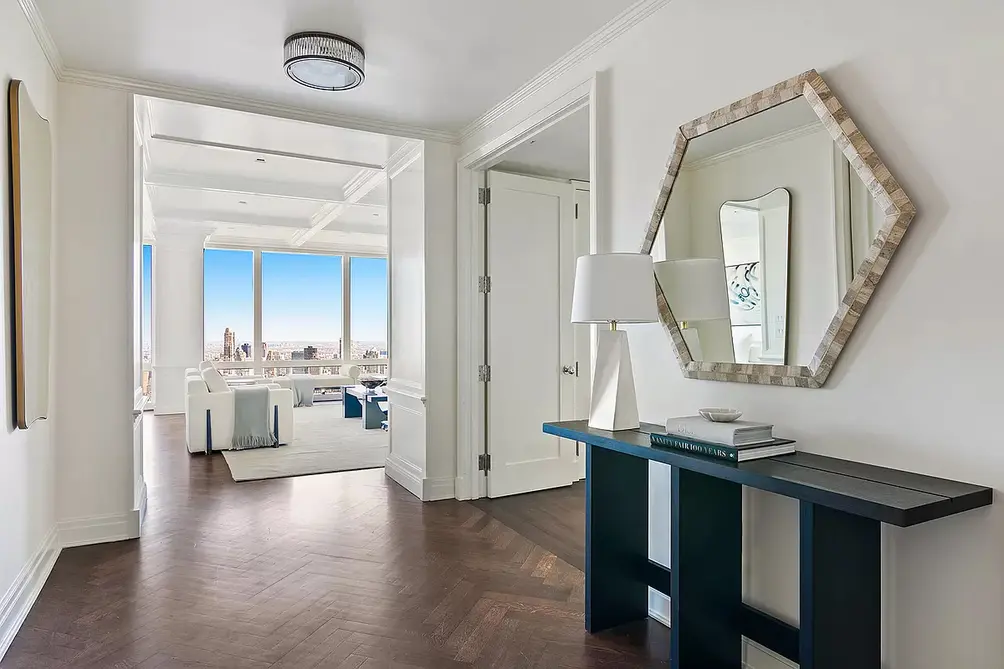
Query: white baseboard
[(659, 609), (18, 600), (99, 529), (437, 489), (411, 477), (461, 489), (405, 474), (140, 510)]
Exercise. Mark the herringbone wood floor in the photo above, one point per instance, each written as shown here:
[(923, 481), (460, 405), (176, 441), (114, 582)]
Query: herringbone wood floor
[(339, 570)]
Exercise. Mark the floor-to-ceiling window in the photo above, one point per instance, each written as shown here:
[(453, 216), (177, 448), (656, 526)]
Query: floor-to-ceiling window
[(301, 310), (229, 309), (275, 312), (369, 311)]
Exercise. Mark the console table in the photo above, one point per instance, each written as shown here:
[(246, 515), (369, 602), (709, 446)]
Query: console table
[(842, 506)]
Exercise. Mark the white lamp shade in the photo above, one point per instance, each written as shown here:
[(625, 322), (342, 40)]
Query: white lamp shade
[(694, 288), (614, 287)]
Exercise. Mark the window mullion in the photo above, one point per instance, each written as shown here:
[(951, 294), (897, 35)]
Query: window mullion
[(257, 345), (346, 309)]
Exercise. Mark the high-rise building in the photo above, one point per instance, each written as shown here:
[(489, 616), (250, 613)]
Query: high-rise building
[(246, 347), (229, 339), (310, 353)]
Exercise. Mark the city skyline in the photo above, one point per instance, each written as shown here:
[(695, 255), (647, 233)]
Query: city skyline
[(232, 348), (301, 296), (292, 311)]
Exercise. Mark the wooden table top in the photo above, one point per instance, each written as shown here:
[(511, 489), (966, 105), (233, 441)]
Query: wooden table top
[(889, 495)]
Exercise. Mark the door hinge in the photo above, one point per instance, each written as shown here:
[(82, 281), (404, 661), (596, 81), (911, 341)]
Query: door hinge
[(576, 211), (484, 196), (484, 373), (484, 284), (484, 463)]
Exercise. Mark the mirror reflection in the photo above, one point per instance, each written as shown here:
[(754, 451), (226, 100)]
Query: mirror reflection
[(755, 247), (763, 232)]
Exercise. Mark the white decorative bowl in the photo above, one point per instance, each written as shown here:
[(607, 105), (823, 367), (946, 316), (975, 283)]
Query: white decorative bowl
[(719, 415)]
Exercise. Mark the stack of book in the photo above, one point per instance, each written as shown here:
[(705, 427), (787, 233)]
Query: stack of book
[(738, 441)]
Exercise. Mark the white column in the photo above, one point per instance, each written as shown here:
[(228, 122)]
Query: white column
[(406, 262), (423, 337), (177, 316)]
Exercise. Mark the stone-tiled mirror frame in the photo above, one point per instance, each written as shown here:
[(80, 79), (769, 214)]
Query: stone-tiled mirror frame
[(891, 198)]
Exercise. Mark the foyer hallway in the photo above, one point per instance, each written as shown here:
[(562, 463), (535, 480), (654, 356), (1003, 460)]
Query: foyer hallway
[(336, 570)]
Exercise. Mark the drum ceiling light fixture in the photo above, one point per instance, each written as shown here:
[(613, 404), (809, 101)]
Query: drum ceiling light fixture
[(324, 61)]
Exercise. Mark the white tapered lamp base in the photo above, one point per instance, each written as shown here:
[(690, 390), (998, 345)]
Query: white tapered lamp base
[(614, 405)]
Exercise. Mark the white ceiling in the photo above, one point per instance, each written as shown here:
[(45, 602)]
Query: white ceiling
[(255, 180), (434, 64), (560, 151)]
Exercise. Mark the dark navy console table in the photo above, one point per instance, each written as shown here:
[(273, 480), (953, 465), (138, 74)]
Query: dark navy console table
[(843, 504)]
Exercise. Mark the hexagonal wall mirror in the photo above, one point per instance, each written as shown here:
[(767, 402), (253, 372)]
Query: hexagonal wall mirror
[(774, 223)]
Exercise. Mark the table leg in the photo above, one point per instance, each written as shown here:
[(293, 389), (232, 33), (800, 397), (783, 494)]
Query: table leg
[(372, 415), (840, 590), (706, 566), (351, 406), (616, 538)]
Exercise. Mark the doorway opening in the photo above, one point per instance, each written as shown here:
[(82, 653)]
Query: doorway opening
[(531, 221), (265, 261)]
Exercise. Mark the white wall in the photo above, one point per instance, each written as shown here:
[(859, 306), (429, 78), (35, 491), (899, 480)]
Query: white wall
[(441, 313), (27, 475), (406, 206), (423, 310), (919, 78), (94, 385), (178, 293)]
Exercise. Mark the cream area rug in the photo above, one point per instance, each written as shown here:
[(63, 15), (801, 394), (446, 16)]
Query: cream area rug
[(323, 442)]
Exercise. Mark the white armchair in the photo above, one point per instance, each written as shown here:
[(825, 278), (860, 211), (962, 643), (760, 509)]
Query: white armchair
[(209, 414)]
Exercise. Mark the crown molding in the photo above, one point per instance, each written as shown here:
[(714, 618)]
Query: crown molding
[(620, 24), (238, 103), (612, 30), (43, 36)]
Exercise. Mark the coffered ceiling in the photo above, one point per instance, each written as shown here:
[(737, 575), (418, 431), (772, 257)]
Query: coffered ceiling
[(436, 64), (251, 180)]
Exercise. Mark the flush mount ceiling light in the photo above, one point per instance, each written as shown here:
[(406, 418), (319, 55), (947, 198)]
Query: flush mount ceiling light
[(324, 62)]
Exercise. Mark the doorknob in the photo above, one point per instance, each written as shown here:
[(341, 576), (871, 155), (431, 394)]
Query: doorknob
[(570, 371)]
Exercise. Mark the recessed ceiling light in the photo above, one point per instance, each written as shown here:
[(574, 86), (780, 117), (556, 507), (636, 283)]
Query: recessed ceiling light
[(324, 61), (259, 160)]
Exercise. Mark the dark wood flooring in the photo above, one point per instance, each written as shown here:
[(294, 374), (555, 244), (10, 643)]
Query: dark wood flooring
[(339, 570), (553, 519)]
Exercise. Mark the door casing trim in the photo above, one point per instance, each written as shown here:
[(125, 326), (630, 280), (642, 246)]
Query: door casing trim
[(471, 168)]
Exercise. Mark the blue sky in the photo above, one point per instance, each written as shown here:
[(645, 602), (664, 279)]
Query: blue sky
[(301, 296)]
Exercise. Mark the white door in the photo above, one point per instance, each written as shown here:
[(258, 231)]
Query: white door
[(530, 258)]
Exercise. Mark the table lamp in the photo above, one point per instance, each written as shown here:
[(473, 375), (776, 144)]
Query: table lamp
[(695, 290), (614, 288)]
